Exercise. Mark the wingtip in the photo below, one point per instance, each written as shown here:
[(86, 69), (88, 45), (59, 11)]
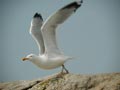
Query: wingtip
[(81, 1), (78, 4), (75, 4), (37, 15)]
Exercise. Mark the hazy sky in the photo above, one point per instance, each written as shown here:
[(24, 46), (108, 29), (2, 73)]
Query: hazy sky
[(91, 35)]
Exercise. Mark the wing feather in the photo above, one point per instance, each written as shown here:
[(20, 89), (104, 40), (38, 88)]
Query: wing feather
[(35, 31), (50, 25)]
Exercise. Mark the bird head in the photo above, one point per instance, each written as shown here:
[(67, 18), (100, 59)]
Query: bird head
[(29, 57)]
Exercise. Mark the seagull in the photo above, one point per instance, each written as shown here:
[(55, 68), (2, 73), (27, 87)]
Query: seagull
[(44, 33)]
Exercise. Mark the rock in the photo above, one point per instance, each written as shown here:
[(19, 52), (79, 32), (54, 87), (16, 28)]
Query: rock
[(110, 81)]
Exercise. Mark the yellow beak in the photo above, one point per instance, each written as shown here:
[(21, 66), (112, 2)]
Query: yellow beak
[(24, 59)]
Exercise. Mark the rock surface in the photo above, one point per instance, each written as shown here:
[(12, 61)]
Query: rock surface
[(110, 81)]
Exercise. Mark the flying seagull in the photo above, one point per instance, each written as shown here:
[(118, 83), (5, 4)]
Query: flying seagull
[(44, 34)]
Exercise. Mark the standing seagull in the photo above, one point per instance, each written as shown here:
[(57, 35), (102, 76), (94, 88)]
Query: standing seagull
[(44, 34)]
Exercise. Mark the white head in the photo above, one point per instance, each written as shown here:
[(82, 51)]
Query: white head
[(30, 57)]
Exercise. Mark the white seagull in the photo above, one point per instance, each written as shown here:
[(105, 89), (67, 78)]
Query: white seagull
[(44, 34)]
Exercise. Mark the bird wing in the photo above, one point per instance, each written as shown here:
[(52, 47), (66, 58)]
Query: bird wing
[(35, 31), (50, 25)]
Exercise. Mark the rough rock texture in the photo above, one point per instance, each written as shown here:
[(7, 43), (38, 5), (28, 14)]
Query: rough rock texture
[(110, 81)]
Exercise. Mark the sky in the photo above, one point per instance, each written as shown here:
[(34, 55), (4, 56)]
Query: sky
[(91, 35)]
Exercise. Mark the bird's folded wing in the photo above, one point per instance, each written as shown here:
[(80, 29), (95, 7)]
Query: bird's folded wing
[(50, 25)]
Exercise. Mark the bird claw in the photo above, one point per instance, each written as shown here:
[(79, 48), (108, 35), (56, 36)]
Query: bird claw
[(62, 73)]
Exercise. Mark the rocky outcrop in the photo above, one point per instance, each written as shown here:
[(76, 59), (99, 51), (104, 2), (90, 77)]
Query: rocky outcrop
[(110, 81)]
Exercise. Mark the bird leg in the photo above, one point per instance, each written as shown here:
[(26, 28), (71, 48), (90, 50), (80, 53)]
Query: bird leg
[(63, 68), (63, 72)]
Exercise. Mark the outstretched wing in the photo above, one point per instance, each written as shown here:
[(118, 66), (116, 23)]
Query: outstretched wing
[(35, 31), (50, 25)]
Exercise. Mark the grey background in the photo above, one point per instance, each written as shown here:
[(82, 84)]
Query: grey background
[(92, 35)]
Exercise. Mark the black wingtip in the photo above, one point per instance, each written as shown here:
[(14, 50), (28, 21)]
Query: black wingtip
[(37, 15), (81, 1), (75, 4)]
